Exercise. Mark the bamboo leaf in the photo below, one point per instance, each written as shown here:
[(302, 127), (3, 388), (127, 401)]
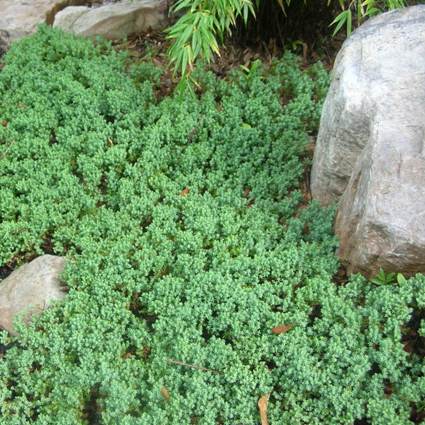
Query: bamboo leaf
[(339, 21)]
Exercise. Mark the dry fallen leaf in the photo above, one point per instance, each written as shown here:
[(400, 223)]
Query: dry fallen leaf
[(185, 191), (4, 123), (262, 406), (277, 330), (165, 393)]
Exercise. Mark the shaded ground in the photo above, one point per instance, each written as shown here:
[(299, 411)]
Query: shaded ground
[(240, 50)]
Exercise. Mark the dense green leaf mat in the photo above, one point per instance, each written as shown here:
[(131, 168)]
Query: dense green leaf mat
[(187, 245)]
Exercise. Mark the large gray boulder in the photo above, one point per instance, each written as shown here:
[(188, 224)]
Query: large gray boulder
[(30, 289), (370, 151), (113, 21)]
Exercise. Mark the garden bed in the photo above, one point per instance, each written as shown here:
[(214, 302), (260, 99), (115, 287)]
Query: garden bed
[(200, 280)]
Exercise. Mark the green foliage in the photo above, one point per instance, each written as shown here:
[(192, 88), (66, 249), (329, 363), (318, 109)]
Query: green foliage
[(186, 246), (196, 32), (383, 278), (356, 11), (204, 23)]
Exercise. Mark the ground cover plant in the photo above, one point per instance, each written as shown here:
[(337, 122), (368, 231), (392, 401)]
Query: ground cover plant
[(200, 281)]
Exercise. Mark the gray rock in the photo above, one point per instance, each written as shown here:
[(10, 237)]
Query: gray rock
[(67, 17), (114, 21), (370, 148), (376, 71), (19, 18), (380, 221), (30, 289)]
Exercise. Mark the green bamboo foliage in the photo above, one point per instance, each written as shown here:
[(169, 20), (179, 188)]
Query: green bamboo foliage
[(204, 23)]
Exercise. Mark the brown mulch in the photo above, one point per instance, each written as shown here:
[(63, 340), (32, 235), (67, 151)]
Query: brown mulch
[(154, 45)]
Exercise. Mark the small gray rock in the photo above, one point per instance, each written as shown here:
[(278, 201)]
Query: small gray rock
[(30, 289)]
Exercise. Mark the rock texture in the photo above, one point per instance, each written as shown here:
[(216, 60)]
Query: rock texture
[(30, 289), (370, 149), (19, 18), (114, 21)]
